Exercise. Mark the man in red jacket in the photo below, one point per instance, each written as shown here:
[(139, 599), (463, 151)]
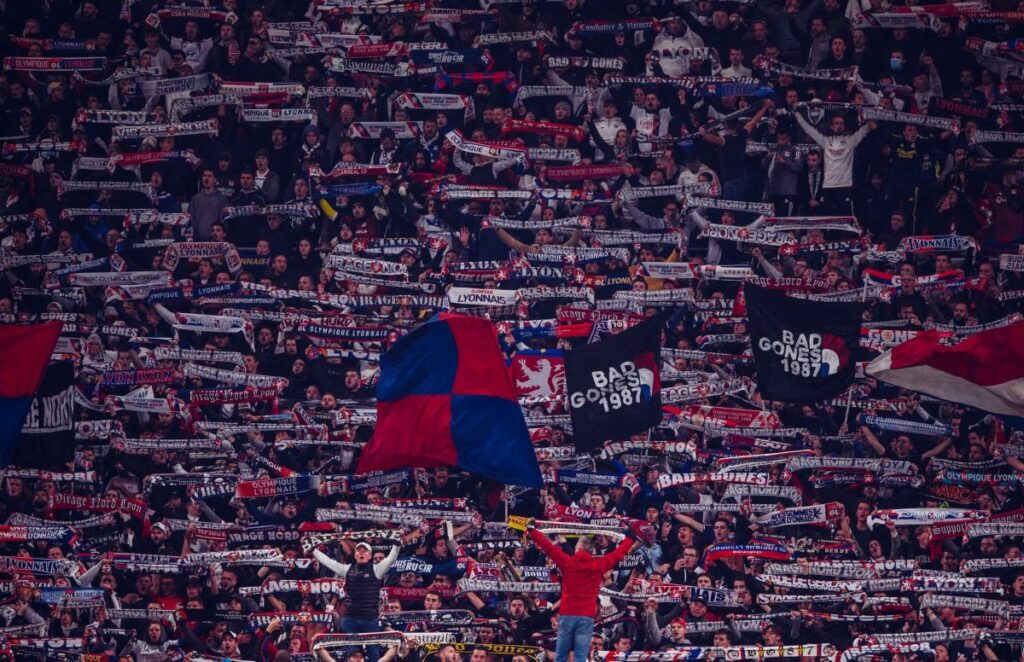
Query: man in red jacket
[(581, 580)]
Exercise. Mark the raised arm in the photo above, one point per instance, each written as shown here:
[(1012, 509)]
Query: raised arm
[(753, 121), (809, 129), (551, 549), (340, 569), (381, 568), (608, 561), (513, 243)]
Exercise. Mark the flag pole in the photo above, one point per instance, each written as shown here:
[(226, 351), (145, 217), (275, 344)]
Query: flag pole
[(849, 394)]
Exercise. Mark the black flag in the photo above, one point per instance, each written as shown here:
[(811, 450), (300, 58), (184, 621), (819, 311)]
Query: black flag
[(804, 349), (47, 438), (614, 385)]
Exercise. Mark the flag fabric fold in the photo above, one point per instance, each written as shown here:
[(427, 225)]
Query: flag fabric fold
[(445, 398), (985, 371), (24, 355)]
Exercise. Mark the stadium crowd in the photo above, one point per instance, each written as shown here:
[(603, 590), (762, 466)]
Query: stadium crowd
[(235, 209)]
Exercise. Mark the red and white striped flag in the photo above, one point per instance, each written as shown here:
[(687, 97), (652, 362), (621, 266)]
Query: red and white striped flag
[(985, 371)]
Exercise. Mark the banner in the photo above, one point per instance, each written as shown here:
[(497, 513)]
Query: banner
[(803, 349), (614, 386)]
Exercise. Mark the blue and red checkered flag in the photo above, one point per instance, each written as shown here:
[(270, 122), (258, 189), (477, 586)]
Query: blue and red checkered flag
[(24, 354), (445, 399)]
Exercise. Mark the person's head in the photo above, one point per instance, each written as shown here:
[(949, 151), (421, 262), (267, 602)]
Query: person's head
[(813, 160), (961, 312), (432, 600), (897, 61), (517, 608), (838, 47), (228, 580), (967, 78), (671, 211), (772, 635), (254, 47), (677, 629), (585, 544), (229, 643), (838, 125), (721, 530)]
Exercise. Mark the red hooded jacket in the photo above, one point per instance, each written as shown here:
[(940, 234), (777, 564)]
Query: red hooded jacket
[(581, 574)]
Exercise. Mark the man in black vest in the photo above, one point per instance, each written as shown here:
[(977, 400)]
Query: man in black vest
[(363, 581)]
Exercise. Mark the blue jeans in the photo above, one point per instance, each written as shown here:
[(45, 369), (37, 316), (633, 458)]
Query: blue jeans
[(574, 634), (355, 625)]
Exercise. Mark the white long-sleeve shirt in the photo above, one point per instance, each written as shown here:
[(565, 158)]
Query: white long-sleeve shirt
[(380, 569), (838, 151)]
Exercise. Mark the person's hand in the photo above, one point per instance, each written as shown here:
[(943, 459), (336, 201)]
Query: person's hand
[(756, 252), (274, 625), (651, 606), (844, 529), (927, 61)]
